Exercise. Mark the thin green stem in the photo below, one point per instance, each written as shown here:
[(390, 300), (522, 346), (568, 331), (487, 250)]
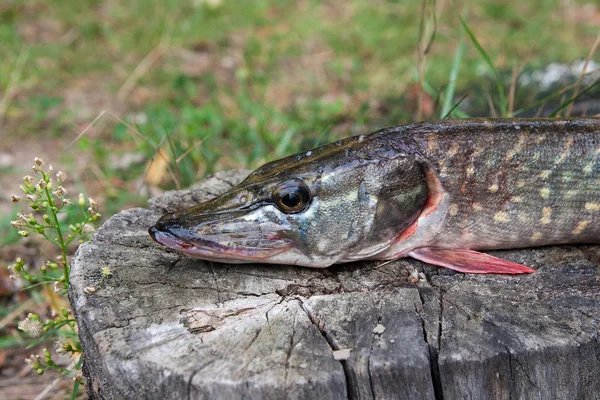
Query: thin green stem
[(79, 230), (62, 245), (48, 238)]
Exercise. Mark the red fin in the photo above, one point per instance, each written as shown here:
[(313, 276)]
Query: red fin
[(468, 261)]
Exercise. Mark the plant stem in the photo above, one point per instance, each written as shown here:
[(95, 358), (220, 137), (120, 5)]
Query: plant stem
[(62, 245)]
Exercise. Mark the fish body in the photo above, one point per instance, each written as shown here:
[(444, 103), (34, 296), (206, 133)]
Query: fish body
[(435, 191)]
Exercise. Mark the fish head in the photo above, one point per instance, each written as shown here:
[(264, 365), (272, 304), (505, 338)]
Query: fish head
[(333, 204)]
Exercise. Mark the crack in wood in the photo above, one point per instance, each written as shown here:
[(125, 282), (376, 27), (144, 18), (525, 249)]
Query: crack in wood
[(369, 365), (334, 347), (432, 351)]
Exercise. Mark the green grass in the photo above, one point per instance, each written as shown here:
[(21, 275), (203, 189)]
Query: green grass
[(254, 81), (246, 82)]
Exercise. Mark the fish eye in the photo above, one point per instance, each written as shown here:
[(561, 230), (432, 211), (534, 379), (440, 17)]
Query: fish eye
[(292, 196)]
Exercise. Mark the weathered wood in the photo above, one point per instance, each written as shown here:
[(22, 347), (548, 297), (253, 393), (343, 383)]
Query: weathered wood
[(166, 326)]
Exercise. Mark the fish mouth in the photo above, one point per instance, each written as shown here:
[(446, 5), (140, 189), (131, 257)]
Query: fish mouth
[(199, 247)]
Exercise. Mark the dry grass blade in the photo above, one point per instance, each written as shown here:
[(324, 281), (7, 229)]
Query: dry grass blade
[(131, 129), (16, 312), (181, 157), (154, 165), (44, 393), (539, 110), (491, 105), (142, 68), (13, 83), (582, 74), (87, 128), (542, 102), (516, 72), (422, 50), (566, 103), (48, 389)]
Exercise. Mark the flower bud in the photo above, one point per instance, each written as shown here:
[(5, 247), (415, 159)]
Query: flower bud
[(33, 361), (81, 200), (47, 355)]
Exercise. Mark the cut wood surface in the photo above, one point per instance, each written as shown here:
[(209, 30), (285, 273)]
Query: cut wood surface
[(165, 326)]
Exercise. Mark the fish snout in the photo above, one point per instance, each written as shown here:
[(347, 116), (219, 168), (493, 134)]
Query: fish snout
[(163, 226), (154, 230)]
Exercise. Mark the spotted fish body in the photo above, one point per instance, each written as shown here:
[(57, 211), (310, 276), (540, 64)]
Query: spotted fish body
[(435, 191)]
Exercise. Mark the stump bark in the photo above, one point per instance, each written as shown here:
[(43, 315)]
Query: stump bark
[(166, 326)]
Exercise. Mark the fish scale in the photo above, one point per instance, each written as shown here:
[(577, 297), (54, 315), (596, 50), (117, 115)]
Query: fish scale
[(524, 187), (436, 191)]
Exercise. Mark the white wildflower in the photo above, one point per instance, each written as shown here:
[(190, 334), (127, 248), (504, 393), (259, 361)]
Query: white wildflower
[(31, 326), (93, 204), (60, 191), (61, 176)]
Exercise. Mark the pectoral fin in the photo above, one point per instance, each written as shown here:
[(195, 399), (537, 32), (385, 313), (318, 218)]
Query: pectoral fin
[(468, 261)]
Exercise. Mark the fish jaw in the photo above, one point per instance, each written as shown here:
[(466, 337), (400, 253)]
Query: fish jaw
[(219, 236), (211, 251)]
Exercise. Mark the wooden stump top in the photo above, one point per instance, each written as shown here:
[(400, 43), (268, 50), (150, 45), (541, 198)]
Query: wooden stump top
[(167, 326)]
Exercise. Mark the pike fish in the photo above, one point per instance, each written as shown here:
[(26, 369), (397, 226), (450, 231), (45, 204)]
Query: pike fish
[(440, 192)]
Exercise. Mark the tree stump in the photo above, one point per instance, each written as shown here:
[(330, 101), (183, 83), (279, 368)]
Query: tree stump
[(166, 326)]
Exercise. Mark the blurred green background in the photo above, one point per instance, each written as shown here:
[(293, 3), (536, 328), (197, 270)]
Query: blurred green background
[(218, 84), (254, 80)]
